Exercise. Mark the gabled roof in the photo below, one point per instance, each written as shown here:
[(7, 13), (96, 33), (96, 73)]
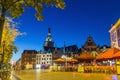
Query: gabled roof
[(89, 42)]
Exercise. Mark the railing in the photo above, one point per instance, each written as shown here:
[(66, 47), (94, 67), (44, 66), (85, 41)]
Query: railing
[(100, 69), (87, 69)]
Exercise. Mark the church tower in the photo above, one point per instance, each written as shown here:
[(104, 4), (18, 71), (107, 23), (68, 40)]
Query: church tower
[(49, 44)]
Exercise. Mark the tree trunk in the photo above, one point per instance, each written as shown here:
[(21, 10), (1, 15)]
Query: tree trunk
[(2, 21), (1, 30)]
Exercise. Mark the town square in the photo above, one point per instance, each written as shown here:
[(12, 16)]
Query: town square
[(87, 66), (34, 75), (59, 40)]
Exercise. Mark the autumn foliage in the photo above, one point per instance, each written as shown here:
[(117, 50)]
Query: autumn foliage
[(8, 38)]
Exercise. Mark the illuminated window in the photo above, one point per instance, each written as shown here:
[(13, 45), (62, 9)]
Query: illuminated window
[(118, 32), (119, 42), (113, 37)]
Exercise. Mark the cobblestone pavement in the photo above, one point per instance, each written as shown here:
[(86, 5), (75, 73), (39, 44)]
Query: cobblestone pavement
[(47, 75)]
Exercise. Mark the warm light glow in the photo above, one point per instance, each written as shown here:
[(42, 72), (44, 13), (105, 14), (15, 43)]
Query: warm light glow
[(38, 73)]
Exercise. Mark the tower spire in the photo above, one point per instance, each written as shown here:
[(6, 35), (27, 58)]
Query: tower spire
[(48, 44), (49, 31)]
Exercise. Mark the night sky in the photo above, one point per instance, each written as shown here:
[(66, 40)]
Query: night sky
[(79, 19)]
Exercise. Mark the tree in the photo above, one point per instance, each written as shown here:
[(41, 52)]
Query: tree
[(14, 8), (8, 38), (7, 47)]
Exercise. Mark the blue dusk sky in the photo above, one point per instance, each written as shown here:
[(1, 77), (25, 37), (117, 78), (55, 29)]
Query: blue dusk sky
[(79, 19)]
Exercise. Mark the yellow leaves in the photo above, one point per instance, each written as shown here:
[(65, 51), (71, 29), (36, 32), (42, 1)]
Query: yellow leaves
[(21, 1), (9, 32), (38, 5), (16, 9), (0, 50), (39, 16), (60, 4), (8, 38)]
